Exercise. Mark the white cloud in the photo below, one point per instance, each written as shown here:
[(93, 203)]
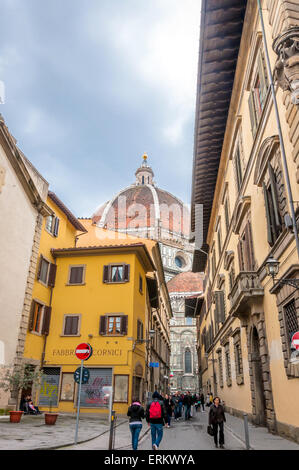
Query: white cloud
[(160, 44)]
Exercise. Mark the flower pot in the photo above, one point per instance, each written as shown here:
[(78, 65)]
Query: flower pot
[(50, 418), (15, 416)]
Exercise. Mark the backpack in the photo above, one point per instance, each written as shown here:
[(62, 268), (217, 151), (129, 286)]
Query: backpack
[(155, 410)]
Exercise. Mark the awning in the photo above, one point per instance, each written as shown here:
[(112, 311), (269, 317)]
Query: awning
[(193, 306), (152, 287)]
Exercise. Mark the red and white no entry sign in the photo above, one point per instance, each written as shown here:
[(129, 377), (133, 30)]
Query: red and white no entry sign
[(83, 351), (295, 340)]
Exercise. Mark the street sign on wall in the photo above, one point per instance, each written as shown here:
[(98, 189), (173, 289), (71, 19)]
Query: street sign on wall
[(154, 364)]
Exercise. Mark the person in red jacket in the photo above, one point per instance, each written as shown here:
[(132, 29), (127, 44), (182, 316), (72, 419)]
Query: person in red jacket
[(156, 416)]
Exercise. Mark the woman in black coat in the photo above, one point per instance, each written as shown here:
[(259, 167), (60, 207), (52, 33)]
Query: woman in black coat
[(169, 404), (136, 413), (216, 419)]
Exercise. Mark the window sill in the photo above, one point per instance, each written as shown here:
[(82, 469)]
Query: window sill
[(36, 333), (118, 282), (81, 284), (70, 336)]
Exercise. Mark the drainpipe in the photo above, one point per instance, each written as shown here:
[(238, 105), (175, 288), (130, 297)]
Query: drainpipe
[(283, 154)]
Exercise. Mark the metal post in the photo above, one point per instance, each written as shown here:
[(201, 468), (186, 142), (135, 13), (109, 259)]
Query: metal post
[(111, 430), (78, 405), (283, 154), (246, 431)]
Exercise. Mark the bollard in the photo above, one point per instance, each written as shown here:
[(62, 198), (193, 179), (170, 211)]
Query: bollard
[(246, 431), (111, 430)]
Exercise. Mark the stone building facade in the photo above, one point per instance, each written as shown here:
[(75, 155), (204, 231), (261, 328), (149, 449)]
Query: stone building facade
[(146, 211), (23, 193), (247, 321), (183, 361)]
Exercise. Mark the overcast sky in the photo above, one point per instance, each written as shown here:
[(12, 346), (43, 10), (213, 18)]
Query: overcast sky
[(91, 85)]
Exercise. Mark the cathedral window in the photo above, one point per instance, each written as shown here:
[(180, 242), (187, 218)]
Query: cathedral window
[(188, 362)]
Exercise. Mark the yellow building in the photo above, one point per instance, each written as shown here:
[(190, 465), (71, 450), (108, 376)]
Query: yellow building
[(99, 294), (248, 190)]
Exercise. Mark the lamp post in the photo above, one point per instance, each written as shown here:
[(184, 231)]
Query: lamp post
[(272, 269)]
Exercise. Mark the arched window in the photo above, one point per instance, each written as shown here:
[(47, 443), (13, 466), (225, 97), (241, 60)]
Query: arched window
[(188, 362), (143, 180)]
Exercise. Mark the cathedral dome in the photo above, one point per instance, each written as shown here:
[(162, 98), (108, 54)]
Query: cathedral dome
[(145, 210)]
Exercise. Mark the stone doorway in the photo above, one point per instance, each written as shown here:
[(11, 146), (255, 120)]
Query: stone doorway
[(260, 404)]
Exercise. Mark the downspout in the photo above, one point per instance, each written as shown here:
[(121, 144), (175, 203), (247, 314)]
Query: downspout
[(283, 154)]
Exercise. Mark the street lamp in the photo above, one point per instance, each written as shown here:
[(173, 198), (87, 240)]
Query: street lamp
[(272, 268), (140, 341)]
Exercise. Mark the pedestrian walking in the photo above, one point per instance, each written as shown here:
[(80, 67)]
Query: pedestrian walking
[(168, 403), (202, 401), (136, 414), (176, 401), (181, 398), (217, 420), (156, 416), (187, 401)]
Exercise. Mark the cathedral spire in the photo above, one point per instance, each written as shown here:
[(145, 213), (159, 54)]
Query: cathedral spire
[(144, 174)]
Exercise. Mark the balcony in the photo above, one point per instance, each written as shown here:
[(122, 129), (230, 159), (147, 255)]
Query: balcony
[(246, 291)]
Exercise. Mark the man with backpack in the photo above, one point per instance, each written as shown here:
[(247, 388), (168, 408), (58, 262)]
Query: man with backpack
[(156, 416)]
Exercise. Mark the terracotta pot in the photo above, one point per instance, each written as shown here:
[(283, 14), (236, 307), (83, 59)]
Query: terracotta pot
[(50, 418), (15, 416)]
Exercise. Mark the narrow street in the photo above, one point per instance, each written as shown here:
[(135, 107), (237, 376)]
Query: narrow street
[(190, 435)]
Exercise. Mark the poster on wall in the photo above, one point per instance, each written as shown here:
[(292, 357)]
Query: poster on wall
[(48, 393), (121, 385), (94, 394), (67, 387)]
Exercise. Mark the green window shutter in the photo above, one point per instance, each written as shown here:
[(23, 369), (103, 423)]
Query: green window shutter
[(252, 113), (269, 227)]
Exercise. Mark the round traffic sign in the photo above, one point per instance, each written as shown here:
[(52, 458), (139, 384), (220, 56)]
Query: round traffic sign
[(295, 340), (85, 375), (83, 351)]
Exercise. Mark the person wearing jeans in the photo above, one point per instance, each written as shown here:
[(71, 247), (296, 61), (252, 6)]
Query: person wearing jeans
[(136, 413), (156, 416)]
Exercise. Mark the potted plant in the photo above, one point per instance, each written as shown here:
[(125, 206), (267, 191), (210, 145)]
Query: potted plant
[(14, 380), (50, 418)]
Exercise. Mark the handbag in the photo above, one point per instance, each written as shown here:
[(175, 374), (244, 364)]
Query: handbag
[(210, 430)]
